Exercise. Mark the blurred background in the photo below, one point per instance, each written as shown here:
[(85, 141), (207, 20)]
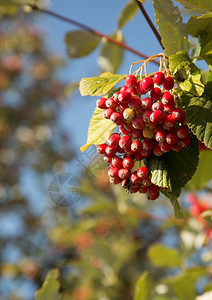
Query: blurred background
[(108, 239)]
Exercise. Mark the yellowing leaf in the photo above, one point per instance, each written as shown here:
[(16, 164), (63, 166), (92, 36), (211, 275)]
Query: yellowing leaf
[(99, 129), (96, 86)]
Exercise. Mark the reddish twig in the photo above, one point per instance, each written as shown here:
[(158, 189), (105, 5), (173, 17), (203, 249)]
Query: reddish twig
[(95, 32), (149, 21)]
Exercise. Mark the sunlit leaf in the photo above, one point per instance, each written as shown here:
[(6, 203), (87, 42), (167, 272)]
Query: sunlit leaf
[(96, 86), (99, 129), (197, 4), (171, 27)]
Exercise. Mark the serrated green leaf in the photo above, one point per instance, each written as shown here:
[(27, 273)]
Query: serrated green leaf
[(173, 197), (171, 27), (143, 287), (50, 287), (80, 43), (208, 86), (96, 86), (197, 4), (193, 85), (127, 13), (163, 257), (111, 55), (203, 173), (198, 111), (99, 129), (174, 169)]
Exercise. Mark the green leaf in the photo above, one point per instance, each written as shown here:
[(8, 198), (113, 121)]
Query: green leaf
[(80, 43), (197, 4), (143, 287), (203, 173), (99, 129), (174, 169), (111, 55), (183, 286), (96, 86), (187, 75), (172, 30), (198, 111), (202, 26), (163, 257), (50, 287), (127, 13)]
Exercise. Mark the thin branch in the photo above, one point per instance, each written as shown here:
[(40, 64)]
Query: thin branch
[(149, 21), (95, 32)]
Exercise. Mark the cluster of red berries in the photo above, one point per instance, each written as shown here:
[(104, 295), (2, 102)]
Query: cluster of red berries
[(147, 124)]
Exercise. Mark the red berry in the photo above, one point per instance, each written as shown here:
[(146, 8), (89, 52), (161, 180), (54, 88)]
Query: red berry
[(134, 178), (113, 171), (140, 88), (128, 163), (147, 103), (148, 144), (143, 189), (159, 78), (155, 93), (131, 81), (124, 88), (114, 139), (125, 142), (138, 123), (155, 196), (182, 131), (117, 162), (128, 126), (184, 142), (101, 148), (139, 111), (169, 121), (134, 189), (168, 83), (146, 153), (172, 137), (176, 147), (160, 135), (147, 84), (146, 181), (143, 172), (111, 103), (110, 150), (178, 114), (136, 146), (157, 106), (135, 103), (169, 107), (117, 118), (157, 117), (101, 103), (152, 190), (124, 131), (115, 180), (115, 96), (138, 156), (124, 97), (165, 147), (157, 151), (146, 115), (107, 159), (121, 107), (136, 134), (108, 112), (124, 173), (167, 98)]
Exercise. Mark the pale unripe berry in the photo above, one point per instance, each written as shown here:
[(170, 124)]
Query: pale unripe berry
[(128, 114)]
